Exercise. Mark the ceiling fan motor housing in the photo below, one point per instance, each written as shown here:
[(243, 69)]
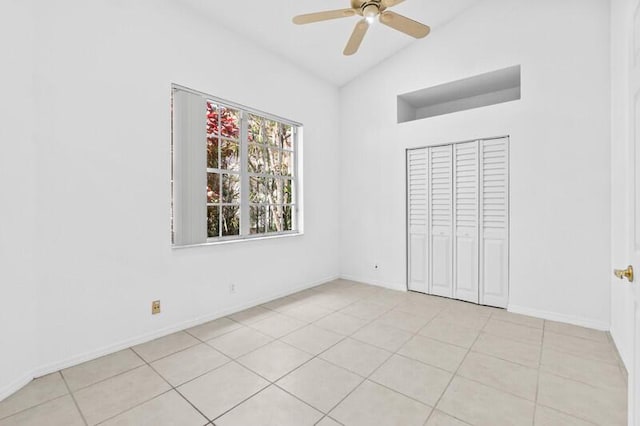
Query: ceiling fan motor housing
[(361, 5)]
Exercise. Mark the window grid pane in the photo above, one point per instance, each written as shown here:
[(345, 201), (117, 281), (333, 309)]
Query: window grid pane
[(230, 224), (269, 167), (213, 221)]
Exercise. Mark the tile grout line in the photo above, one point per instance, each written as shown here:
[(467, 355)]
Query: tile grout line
[(33, 406), (274, 383), (539, 371), (326, 416), (230, 360), (413, 334), (69, 391), (132, 408), (607, 341), (128, 370), (395, 353), (588, 339), (566, 413), (364, 379), (243, 400), (338, 366), (506, 361), (73, 398), (172, 388), (214, 337), (572, 416), (175, 388), (577, 355), (482, 332), (515, 322), (274, 339), (454, 375), (572, 379), (318, 357), (279, 378), (512, 338), (535, 407), (312, 322), (199, 342), (591, 385)]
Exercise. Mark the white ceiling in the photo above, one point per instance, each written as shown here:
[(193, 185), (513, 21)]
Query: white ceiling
[(318, 47)]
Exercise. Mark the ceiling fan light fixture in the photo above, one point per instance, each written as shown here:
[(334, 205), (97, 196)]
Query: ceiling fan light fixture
[(370, 12)]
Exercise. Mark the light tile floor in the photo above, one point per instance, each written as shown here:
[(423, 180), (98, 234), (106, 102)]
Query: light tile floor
[(344, 353)]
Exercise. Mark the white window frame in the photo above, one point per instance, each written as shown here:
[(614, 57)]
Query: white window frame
[(245, 205)]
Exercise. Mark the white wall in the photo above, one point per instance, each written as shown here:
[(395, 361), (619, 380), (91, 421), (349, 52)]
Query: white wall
[(560, 132), (17, 186), (104, 70)]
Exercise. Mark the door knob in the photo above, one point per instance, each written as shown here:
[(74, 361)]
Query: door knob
[(624, 273)]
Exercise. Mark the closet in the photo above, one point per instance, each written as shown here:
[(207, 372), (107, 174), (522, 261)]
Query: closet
[(458, 221)]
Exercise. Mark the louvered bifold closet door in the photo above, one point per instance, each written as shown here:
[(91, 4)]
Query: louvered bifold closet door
[(441, 220), (417, 218), (494, 223), (466, 205)]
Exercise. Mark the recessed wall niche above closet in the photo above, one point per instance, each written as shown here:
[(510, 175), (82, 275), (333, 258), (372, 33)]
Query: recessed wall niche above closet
[(458, 221), (479, 91)]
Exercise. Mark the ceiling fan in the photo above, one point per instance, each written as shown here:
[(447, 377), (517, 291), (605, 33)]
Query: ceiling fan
[(370, 10)]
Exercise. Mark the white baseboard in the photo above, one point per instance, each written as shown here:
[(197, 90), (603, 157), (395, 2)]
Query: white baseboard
[(16, 385), (106, 350), (385, 284), (554, 316), (551, 316)]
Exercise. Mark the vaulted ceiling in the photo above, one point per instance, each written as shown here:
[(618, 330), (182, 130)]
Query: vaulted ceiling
[(318, 47)]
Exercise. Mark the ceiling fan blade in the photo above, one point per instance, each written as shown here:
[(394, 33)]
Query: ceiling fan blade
[(404, 24), (356, 38), (391, 3), (323, 16)]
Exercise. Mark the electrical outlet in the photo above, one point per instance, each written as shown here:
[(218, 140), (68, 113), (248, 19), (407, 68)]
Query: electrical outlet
[(155, 307), (232, 288)]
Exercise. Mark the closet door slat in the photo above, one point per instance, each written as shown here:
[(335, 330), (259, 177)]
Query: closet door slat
[(466, 208), (417, 218), (441, 221), (494, 223)]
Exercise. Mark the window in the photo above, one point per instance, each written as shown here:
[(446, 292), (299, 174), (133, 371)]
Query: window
[(271, 178), (223, 171), (250, 169)]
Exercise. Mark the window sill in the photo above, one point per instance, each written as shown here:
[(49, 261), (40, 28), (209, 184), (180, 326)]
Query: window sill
[(239, 240)]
